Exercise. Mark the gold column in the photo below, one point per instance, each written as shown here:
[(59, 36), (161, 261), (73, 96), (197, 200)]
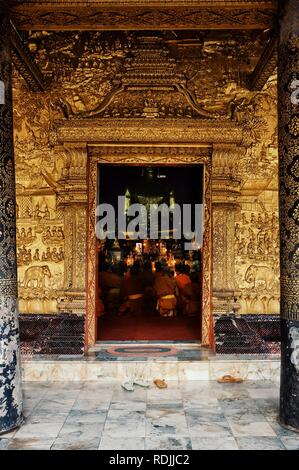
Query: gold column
[(225, 193), (73, 200)]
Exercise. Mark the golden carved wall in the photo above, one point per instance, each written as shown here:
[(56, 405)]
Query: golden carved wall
[(91, 80)]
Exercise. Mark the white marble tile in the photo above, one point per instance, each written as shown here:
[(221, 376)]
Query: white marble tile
[(39, 430), (214, 443), (60, 405), (246, 369), (99, 414), (290, 443), (268, 406), (31, 443), (232, 391), (216, 429), (259, 443), (70, 442), (164, 442), (54, 371), (86, 416), (245, 417), (165, 421), (125, 423), (46, 416), (81, 430), (156, 395), (109, 442), (9, 434), (261, 428), (264, 393), (4, 443), (128, 405), (94, 405), (193, 371), (204, 414), (120, 395), (235, 406), (101, 371), (281, 431)]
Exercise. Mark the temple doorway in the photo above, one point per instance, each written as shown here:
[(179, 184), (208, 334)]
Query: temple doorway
[(149, 287)]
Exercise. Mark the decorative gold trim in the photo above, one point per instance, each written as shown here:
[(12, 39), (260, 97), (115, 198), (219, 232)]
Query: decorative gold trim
[(154, 155), (144, 14)]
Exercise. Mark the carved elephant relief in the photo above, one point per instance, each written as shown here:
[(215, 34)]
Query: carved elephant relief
[(35, 276), (260, 274)]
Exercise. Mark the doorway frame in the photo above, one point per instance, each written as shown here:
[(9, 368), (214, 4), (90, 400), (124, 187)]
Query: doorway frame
[(151, 154)]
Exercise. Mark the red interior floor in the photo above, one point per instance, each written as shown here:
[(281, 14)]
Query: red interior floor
[(148, 326)]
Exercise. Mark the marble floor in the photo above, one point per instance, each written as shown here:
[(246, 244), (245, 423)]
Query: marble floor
[(186, 415)]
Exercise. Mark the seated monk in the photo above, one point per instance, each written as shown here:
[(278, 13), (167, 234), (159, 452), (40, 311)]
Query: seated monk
[(132, 292), (110, 282), (147, 279), (182, 279), (165, 290), (191, 293)]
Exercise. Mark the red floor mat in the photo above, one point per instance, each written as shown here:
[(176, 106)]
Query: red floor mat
[(148, 327)]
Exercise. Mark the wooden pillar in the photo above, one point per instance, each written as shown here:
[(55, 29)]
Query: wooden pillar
[(73, 201)]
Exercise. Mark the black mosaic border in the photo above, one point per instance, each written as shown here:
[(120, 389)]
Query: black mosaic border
[(247, 334), (61, 333)]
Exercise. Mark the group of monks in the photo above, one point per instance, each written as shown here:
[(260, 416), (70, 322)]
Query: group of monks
[(136, 290)]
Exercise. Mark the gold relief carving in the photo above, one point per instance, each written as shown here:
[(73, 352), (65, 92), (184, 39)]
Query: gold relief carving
[(138, 92), (145, 15), (39, 250), (51, 141), (218, 249), (72, 201), (35, 276), (225, 289), (53, 235), (256, 275), (25, 236), (110, 74), (80, 244), (225, 194), (256, 113), (257, 260), (126, 130)]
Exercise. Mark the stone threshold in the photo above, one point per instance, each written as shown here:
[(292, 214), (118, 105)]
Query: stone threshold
[(206, 366)]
